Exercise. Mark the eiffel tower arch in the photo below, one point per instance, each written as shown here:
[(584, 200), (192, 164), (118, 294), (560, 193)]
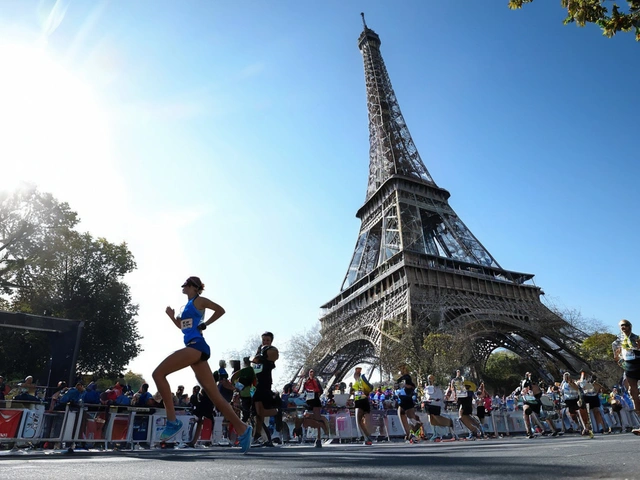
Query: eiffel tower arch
[(416, 262)]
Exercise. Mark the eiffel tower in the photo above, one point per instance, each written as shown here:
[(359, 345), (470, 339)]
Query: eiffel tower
[(416, 261)]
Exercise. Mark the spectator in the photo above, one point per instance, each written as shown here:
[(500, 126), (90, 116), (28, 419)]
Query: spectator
[(28, 386), (144, 396), (178, 395), (91, 394), (60, 390), (244, 380), (109, 396), (73, 397), (194, 401), (225, 387), (123, 399), (203, 410), (378, 398), (27, 391), (156, 401)]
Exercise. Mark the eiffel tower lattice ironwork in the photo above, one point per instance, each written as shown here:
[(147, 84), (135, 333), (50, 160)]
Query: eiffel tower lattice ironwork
[(415, 259)]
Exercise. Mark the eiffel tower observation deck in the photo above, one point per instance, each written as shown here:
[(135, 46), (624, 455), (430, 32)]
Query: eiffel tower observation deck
[(417, 268)]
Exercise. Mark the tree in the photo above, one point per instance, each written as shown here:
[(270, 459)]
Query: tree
[(574, 317), (134, 380), (251, 344), (24, 352), (298, 351), (444, 353), (29, 220), (503, 371), (54, 269), (596, 349), (595, 11)]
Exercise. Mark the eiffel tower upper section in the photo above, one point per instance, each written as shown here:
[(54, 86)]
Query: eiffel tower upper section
[(404, 210)]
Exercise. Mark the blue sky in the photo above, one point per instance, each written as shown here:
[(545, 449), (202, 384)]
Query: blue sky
[(229, 140)]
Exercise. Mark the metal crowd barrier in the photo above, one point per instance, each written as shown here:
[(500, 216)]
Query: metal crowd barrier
[(107, 427), (23, 423)]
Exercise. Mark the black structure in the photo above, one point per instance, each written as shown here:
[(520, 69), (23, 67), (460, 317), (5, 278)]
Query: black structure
[(64, 341)]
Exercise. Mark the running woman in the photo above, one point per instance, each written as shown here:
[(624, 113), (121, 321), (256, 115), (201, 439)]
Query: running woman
[(314, 419), (195, 355)]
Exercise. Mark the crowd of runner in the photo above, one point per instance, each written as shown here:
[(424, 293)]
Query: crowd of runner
[(245, 398)]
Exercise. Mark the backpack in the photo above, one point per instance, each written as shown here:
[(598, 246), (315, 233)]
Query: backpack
[(367, 387)]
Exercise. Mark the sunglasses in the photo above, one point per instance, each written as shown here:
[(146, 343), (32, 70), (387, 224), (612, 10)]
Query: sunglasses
[(625, 325), (189, 284)]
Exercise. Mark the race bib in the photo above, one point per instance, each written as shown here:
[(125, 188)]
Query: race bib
[(257, 367), (186, 323), (628, 354), (529, 399), (359, 393), (310, 395), (430, 390)]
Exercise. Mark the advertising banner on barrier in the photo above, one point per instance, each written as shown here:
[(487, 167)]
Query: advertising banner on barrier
[(120, 428), (160, 421), (207, 430), (140, 428), (393, 424), (93, 424), (32, 421), (344, 427), (9, 423), (378, 428), (217, 435)]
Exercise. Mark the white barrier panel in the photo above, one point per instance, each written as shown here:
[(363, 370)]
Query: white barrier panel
[(394, 424), (31, 424), (216, 431), (130, 426), (345, 428)]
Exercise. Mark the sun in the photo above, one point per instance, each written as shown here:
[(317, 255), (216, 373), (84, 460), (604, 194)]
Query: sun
[(51, 127)]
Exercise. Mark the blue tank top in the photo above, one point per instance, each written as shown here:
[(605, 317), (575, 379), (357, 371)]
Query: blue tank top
[(189, 321)]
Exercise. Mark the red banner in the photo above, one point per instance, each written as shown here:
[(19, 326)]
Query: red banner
[(9, 423)]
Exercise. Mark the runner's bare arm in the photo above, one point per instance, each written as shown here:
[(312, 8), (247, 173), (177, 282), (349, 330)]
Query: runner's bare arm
[(202, 302), (172, 315)]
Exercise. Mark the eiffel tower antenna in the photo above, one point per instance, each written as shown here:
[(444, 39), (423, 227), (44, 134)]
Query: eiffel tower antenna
[(416, 264), (363, 20)]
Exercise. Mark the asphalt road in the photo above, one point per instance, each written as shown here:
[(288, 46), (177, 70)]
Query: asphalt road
[(613, 456)]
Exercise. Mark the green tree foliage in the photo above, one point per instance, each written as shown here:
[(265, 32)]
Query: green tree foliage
[(423, 351), (55, 269), (595, 11), (444, 354), (134, 380), (23, 353), (503, 371), (597, 347), (29, 220)]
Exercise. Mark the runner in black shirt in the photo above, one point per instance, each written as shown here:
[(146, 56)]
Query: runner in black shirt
[(406, 409)]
